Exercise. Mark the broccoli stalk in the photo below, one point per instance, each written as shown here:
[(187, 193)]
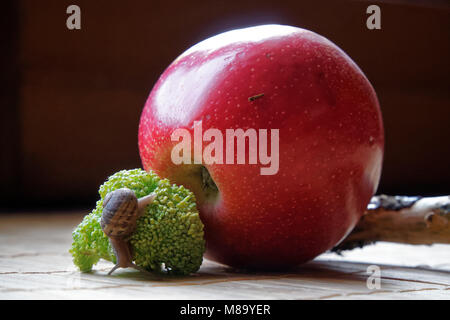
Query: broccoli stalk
[(168, 235)]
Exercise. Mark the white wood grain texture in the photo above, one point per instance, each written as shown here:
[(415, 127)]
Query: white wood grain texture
[(35, 264)]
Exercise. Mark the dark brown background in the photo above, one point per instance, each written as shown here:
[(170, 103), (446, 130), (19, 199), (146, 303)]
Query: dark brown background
[(71, 100)]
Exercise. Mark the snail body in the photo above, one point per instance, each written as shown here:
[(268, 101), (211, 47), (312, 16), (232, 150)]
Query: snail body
[(121, 209)]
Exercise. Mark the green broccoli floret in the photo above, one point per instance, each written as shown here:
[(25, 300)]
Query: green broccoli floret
[(168, 235)]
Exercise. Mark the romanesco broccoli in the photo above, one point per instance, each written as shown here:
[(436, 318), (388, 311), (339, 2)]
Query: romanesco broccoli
[(169, 233)]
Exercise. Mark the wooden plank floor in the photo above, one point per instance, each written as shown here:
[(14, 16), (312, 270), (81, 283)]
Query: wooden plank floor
[(35, 264)]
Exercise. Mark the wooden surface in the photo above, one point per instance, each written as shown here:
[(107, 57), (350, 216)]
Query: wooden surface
[(35, 264)]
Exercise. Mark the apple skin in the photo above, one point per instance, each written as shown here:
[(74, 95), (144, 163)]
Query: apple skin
[(331, 142)]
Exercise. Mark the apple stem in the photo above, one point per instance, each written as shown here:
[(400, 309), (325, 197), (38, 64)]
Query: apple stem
[(409, 220), (253, 98), (207, 181)]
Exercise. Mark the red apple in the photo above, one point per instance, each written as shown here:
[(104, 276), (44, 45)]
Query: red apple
[(331, 142)]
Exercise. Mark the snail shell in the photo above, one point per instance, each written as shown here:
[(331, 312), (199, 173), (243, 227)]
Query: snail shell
[(120, 212)]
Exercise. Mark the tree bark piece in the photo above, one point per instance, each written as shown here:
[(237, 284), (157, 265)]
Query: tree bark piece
[(409, 220)]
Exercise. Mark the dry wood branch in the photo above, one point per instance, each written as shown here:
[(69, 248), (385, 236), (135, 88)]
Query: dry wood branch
[(410, 220)]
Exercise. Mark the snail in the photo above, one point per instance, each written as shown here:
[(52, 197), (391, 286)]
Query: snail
[(121, 209)]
